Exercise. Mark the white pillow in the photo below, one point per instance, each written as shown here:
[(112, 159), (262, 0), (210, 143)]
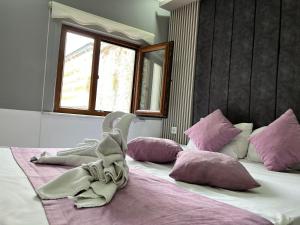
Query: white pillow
[(238, 147), (252, 154)]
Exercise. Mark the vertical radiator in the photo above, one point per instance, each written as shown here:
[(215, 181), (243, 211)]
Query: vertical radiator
[(183, 31)]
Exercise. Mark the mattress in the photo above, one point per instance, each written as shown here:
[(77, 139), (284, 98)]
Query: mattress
[(278, 199)]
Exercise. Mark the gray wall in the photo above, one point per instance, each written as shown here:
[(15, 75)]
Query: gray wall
[(23, 26)]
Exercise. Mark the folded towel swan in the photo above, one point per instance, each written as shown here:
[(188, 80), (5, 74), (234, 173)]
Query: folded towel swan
[(101, 167)]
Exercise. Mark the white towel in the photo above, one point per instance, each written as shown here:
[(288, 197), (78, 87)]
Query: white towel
[(104, 172)]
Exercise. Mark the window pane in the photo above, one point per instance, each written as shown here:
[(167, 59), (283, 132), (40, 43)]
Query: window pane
[(116, 70), (152, 74), (77, 71)]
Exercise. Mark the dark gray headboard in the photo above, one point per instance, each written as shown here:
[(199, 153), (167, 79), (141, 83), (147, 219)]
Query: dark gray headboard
[(248, 59)]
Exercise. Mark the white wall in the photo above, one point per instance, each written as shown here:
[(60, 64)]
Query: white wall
[(19, 128), (34, 129)]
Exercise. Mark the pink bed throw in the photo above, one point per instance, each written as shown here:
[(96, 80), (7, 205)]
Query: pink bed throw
[(146, 200)]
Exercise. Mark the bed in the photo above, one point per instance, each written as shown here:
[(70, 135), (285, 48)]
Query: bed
[(278, 200)]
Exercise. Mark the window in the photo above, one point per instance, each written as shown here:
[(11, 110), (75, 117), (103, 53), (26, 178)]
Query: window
[(95, 73), (115, 83)]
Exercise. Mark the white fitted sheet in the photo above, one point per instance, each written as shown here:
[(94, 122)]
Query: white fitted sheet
[(278, 200)]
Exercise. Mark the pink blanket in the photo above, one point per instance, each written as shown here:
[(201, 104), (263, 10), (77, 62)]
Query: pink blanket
[(146, 200)]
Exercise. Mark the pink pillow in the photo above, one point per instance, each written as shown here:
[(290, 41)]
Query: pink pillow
[(212, 132), (156, 150), (213, 169), (278, 144)]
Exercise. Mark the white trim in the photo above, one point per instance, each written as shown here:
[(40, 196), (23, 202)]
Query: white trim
[(61, 11)]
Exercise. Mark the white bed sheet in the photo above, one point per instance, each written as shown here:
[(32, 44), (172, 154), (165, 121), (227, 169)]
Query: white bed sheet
[(278, 200), (19, 204)]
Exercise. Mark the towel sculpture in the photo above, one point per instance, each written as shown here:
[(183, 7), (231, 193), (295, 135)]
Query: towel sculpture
[(101, 167)]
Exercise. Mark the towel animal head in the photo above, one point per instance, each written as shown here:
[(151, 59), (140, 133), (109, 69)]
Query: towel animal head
[(119, 120)]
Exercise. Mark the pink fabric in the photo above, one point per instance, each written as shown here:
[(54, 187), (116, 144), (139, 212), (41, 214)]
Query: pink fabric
[(145, 200), (212, 132), (213, 169), (157, 150), (279, 143)]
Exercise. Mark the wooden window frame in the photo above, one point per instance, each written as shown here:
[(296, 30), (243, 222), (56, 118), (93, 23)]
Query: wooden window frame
[(166, 81), (94, 72)]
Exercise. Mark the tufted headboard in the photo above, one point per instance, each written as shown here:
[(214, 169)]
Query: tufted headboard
[(248, 60)]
